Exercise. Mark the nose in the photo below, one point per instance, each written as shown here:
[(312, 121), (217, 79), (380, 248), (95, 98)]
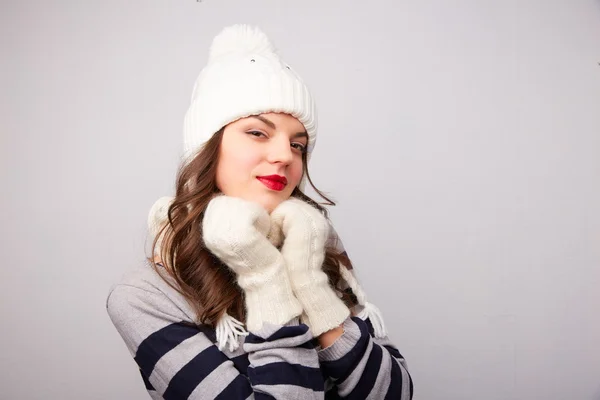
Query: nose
[(280, 150)]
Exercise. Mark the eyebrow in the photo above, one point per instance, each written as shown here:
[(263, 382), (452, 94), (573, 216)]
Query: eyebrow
[(271, 125)]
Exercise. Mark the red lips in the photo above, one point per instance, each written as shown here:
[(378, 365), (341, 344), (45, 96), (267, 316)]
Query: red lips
[(273, 182)]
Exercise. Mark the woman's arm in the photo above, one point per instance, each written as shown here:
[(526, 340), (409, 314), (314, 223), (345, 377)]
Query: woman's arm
[(365, 367), (179, 361), (362, 365), (328, 338)]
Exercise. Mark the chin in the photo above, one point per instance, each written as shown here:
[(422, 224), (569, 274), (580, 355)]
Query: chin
[(271, 202)]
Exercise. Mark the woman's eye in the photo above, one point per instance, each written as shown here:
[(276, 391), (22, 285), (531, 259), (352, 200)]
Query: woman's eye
[(299, 146), (256, 133)]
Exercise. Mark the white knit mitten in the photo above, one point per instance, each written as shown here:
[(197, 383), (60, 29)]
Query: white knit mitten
[(306, 231), (235, 231)]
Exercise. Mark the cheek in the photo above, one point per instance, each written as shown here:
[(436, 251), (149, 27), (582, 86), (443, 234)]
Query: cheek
[(295, 172), (243, 161), (234, 166)]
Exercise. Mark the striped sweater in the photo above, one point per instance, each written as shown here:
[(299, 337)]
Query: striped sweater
[(179, 359)]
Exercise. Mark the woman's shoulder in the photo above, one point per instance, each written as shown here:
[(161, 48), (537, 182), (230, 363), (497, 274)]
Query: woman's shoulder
[(144, 277), (144, 286)]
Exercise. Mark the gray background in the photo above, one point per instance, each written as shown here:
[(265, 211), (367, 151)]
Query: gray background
[(461, 140)]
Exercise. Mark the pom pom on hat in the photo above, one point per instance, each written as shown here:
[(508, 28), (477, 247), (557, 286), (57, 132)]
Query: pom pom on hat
[(240, 39)]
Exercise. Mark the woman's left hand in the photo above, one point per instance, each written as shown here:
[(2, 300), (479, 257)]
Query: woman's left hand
[(306, 231)]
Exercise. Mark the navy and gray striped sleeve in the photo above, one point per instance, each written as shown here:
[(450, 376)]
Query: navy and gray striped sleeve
[(178, 360), (284, 363), (363, 367)]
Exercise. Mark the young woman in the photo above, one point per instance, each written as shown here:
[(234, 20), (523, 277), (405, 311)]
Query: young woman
[(250, 292)]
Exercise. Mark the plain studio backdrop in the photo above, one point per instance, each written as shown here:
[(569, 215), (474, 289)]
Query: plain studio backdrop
[(460, 139)]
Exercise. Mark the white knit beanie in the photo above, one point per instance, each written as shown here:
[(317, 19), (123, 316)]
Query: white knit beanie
[(244, 76)]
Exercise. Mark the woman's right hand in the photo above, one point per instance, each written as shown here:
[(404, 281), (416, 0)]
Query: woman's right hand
[(235, 230)]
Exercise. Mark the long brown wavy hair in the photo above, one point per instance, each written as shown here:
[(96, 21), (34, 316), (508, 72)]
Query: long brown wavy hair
[(209, 285)]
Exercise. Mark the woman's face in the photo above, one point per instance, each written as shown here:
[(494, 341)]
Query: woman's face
[(260, 158)]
